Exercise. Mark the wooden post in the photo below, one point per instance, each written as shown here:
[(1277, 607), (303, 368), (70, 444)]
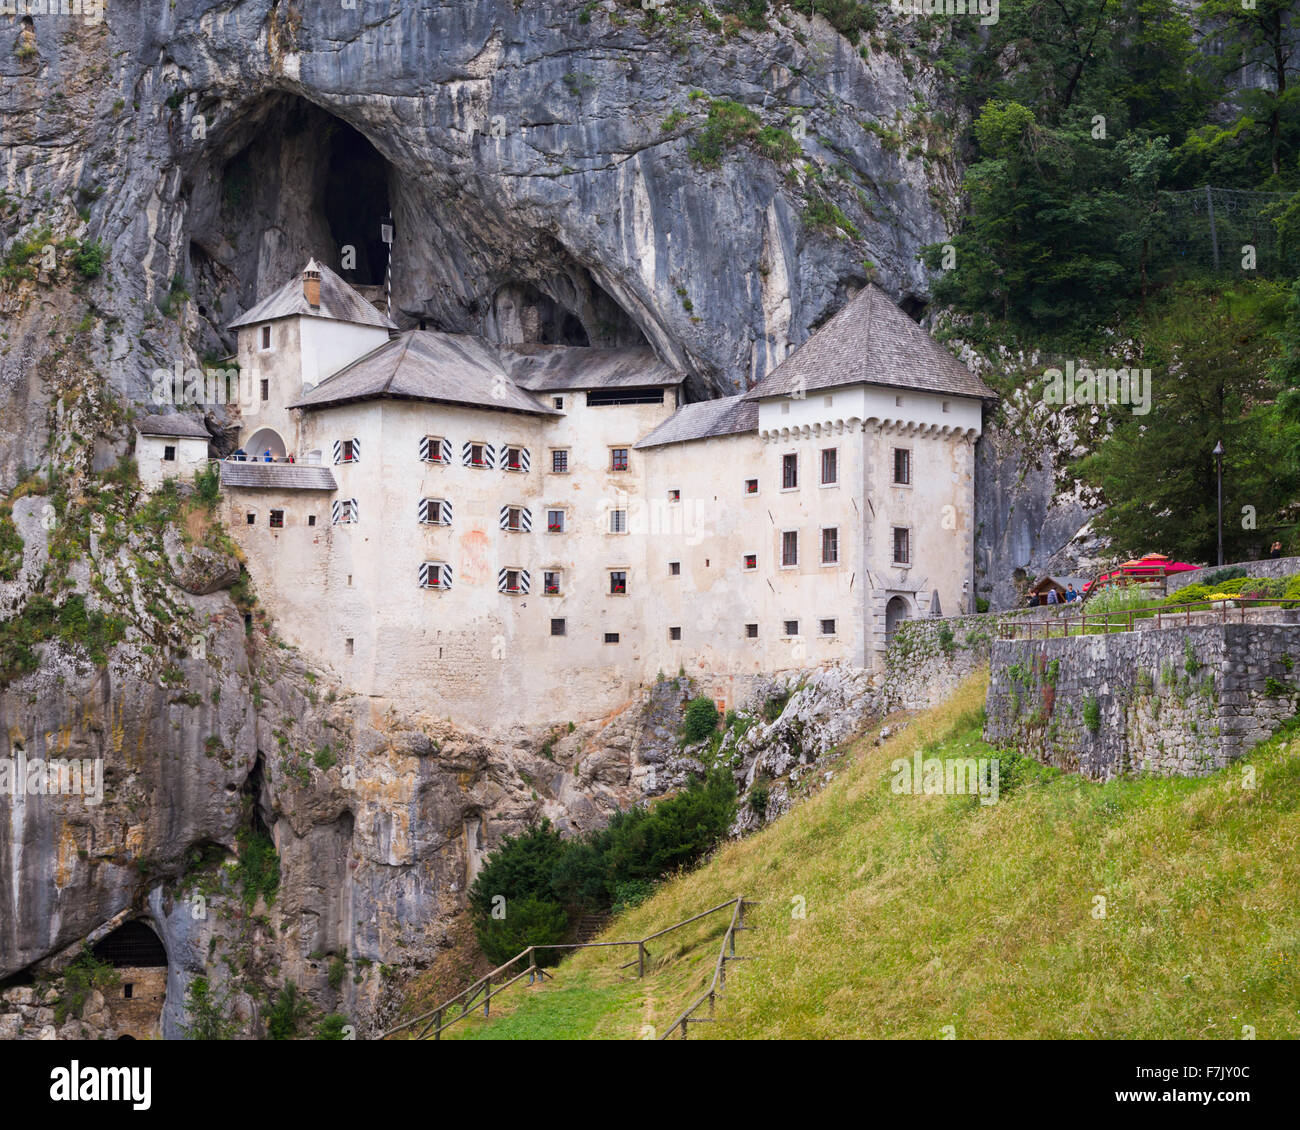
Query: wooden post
[(487, 995), (437, 1024), (640, 959)]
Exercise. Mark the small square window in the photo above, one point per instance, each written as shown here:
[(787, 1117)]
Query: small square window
[(515, 519), (674, 633), (902, 466), (128, 991), (560, 462), (946, 406), (311, 519), (558, 403), (611, 637), (898, 402), (557, 627), (477, 455), (277, 519), (674, 568), (828, 627), (789, 472), (555, 521), (552, 580), (751, 486), (250, 518), (830, 466), (792, 627), (831, 545), (618, 582), (674, 496), (618, 458), (348, 451), (169, 454), (511, 583), (751, 631), (349, 646), (751, 561)]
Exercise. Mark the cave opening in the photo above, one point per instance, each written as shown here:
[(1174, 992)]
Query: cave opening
[(356, 204)]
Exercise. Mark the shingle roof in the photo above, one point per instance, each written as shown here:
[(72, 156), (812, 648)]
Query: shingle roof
[(337, 300), (171, 424), (727, 416), (424, 365), (276, 476), (543, 367), (871, 341)]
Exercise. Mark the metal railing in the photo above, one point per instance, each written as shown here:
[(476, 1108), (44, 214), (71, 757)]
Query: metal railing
[(491, 984), (1135, 619)]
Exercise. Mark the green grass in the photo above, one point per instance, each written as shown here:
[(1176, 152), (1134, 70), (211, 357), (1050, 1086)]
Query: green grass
[(927, 912)]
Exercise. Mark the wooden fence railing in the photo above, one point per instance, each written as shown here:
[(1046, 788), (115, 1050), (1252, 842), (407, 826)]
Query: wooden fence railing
[(524, 964), (1167, 616), (726, 953)]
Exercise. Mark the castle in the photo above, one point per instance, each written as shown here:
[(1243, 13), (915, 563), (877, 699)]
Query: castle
[(525, 533)]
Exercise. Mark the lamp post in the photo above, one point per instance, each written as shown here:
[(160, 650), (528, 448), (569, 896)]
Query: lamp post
[(1218, 465)]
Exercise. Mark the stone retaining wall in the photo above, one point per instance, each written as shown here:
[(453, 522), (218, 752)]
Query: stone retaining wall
[(1176, 701), (1266, 567)]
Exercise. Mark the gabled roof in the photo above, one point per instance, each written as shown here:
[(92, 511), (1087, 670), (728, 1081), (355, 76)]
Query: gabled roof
[(554, 367), (424, 365), (871, 341), (276, 476), (171, 424), (727, 416), (337, 301)]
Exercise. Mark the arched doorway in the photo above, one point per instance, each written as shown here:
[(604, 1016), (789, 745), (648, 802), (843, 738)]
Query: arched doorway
[(135, 1004), (262, 441), (896, 611)]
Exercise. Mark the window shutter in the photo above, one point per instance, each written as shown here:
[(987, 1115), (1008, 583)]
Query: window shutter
[(336, 511), (430, 449), (524, 462), (489, 456), (465, 453), (338, 453), (501, 579), (446, 512), (356, 450), (424, 574), (526, 520), (523, 581), (424, 511), (505, 518), (446, 576)]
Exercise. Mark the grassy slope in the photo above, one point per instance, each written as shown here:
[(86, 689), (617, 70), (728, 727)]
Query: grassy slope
[(924, 912)]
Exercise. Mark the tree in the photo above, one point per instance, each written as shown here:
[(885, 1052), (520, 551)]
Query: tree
[(1210, 358)]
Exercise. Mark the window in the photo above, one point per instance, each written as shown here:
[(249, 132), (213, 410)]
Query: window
[(311, 519), (902, 546), (946, 406), (555, 521), (435, 449), (557, 627), (250, 518), (517, 519), (828, 627), (898, 402), (789, 549), (611, 637), (902, 466), (552, 582), (674, 568), (831, 545), (830, 466), (474, 454), (618, 582), (789, 472), (266, 390), (169, 453), (674, 633), (599, 398), (344, 511), (618, 458), (347, 450), (349, 645), (674, 496), (828, 400), (277, 519), (516, 459), (792, 627), (618, 521), (435, 575), (513, 581), (751, 486), (434, 512), (266, 337), (751, 561), (560, 461), (128, 991), (558, 403), (751, 631)]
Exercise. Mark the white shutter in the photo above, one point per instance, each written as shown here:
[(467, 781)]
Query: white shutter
[(446, 576), (465, 453), (424, 574), (356, 450), (425, 453), (526, 520), (523, 581), (501, 579), (446, 512)]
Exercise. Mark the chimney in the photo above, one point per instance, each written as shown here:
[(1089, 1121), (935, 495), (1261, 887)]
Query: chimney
[(311, 285)]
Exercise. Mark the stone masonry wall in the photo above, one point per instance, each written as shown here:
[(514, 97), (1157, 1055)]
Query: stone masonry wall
[(1181, 701), (1266, 567)]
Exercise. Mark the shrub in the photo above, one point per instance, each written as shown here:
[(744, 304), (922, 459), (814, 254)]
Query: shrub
[(701, 719), (528, 921), (1092, 714), (332, 1027), (759, 796), (89, 259), (286, 1014), (258, 869), (207, 1013), (207, 485), (85, 974), (1218, 576), (337, 971), (632, 893), (649, 843), (774, 704)]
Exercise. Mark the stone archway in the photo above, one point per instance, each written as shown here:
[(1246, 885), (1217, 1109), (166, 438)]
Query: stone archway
[(262, 441), (896, 611)]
